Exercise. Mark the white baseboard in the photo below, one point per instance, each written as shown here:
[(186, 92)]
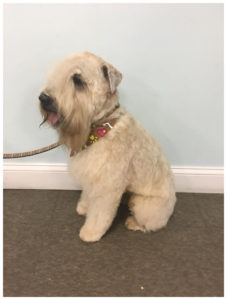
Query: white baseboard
[(199, 179), (55, 176), (38, 176)]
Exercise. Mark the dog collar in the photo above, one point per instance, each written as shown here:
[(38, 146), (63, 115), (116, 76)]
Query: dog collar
[(97, 132)]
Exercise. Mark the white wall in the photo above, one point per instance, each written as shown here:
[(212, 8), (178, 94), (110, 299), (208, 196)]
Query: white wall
[(171, 56)]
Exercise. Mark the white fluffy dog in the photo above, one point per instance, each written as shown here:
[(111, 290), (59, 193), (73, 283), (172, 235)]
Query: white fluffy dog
[(111, 152)]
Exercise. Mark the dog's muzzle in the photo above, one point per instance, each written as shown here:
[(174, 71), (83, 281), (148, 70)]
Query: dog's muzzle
[(47, 102), (49, 105)]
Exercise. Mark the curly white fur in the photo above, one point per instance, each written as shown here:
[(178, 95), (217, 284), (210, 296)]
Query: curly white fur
[(128, 158)]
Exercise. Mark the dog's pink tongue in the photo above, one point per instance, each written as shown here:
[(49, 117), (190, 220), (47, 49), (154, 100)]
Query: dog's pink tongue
[(53, 118)]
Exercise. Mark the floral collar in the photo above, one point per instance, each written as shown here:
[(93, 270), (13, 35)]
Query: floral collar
[(97, 132)]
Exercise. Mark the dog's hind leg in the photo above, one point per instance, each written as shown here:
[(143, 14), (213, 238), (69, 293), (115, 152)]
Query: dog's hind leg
[(149, 213), (132, 224)]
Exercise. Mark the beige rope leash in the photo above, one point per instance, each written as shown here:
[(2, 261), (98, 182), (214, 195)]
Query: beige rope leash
[(29, 153)]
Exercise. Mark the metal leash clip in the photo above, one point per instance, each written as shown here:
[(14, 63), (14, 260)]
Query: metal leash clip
[(108, 124)]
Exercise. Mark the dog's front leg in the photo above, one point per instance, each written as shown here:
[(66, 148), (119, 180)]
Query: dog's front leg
[(100, 214), (82, 204)]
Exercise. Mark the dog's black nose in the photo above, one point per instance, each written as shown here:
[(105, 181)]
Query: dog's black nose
[(45, 99)]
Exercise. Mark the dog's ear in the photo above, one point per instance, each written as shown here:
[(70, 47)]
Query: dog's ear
[(112, 75)]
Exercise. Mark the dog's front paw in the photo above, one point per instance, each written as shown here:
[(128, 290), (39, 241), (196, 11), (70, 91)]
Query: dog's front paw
[(89, 235), (81, 209)]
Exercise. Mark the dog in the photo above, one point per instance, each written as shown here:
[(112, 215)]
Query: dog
[(111, 152)]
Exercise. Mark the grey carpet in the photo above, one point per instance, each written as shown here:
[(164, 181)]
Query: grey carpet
[(43, 255)]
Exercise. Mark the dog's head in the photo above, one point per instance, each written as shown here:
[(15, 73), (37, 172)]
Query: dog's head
[(79, 91)]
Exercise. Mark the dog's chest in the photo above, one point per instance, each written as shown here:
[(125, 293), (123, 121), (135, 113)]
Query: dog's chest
[(85, 164)]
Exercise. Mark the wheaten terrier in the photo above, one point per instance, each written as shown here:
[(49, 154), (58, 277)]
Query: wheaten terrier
[(111, 153)]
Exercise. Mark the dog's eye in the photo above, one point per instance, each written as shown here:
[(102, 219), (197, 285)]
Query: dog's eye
[(78, 81), (105, 71)]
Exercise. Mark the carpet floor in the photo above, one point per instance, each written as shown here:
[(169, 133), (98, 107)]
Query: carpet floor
[(44, 257)]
